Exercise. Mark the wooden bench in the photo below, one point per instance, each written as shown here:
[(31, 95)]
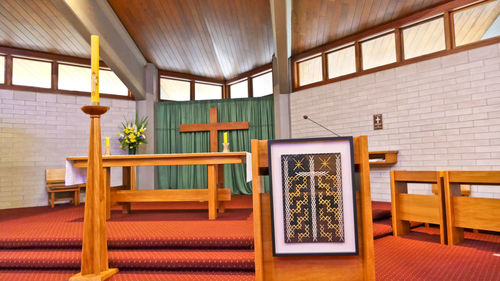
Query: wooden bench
[(415, 207), (467, 212), (54, 180)]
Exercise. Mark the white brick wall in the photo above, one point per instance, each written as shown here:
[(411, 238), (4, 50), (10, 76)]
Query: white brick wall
[(441, 114), (38, 131)]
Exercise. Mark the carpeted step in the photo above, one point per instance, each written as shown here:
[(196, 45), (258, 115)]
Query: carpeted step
[(241, 260), (123, 275)]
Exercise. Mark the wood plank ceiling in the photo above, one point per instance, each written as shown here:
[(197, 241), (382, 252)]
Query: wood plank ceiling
[(212, 38), (38, 25), (315, 23)]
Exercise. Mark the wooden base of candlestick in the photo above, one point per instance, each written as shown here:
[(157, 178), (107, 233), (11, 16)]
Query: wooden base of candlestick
[(225, 146), (94, 277), (94, 264)]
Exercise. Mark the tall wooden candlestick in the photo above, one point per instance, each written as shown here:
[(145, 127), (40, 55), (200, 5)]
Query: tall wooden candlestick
[(94, 264)]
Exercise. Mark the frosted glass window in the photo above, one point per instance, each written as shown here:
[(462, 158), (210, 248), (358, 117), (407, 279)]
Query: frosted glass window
[(477, 23), (207, 91), (239, 90), (341, 62), (177, 90), (425, 38), (310, 71), (263, 85), (379, 51), (74, 78), (31, 73), (2, 69), (109, 83)]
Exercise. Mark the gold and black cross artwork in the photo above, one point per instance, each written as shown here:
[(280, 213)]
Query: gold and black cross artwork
[(312, 190)]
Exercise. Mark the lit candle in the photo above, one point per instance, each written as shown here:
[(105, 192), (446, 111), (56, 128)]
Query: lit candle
[(225, 137), (94, 66), (107, 141)]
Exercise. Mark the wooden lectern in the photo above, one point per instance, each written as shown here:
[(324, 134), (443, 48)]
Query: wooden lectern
[(94, 264), (307, 268)]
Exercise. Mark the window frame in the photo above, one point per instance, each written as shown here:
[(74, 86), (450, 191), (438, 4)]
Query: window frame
[(51, 63), (397, 26), (247, 79), (417, 24), (250, 94), (176, 79), (10, 53), (211, 84), (338, 50), (367, 39), (452, 23), (4, 68), (308, 59)]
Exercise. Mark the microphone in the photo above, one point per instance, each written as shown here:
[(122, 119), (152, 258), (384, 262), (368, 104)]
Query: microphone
[(307, 118)]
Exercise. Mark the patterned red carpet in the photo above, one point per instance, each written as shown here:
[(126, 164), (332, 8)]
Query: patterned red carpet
[(45, 244), (153, 243)]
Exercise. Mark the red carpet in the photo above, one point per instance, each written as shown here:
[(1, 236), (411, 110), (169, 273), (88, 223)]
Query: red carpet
[(419, 256), (45, 244), (153, 243)]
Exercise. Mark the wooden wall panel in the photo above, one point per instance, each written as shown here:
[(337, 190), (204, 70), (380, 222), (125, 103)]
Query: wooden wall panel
[(38, 25), (212, 38)]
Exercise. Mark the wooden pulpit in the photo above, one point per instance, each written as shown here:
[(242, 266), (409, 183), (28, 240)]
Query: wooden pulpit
[(307, 268)]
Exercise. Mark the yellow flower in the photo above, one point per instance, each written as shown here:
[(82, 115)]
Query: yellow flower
[(133, 140), (131, 147), (118, 134), (141, 130)]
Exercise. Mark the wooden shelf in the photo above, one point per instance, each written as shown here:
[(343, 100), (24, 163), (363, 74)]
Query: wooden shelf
[(383, 158)]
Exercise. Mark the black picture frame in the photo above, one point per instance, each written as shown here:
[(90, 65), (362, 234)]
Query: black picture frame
[(273, 187)]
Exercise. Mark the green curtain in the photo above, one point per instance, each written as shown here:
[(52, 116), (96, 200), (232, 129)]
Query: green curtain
[(259, 112)]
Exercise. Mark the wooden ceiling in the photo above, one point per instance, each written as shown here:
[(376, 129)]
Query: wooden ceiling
[(213, 38), (38, 25), (315, 23)]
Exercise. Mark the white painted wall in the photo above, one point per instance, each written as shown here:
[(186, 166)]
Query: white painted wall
[(38, 131), (441, 114)]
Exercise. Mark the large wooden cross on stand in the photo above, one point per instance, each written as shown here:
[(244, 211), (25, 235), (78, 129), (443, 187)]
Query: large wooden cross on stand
[(213, 127), (215, 172)]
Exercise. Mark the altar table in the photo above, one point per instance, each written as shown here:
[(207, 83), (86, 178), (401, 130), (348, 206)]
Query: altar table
[(215, 192)]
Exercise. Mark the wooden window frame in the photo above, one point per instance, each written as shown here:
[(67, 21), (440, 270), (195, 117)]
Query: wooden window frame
[(225, 84), (452, 22), (445, 10), (338, 50), (55, 60), (37, 60), (396, 36), (194, 82), (248, 79), (191, 88), (258, 75), (4, 69), (402, 29), (297, 68)]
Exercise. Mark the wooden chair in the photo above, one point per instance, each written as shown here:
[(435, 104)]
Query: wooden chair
[(54, 179), (416, 207), (467, 212)]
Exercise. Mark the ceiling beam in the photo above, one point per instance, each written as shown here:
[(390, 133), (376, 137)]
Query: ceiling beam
[(117, 49), (281, 13)]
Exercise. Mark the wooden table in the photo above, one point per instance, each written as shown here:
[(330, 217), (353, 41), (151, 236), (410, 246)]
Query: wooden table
[(213, 194)]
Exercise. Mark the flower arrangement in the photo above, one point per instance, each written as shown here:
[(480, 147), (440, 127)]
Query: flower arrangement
[(132, 134)]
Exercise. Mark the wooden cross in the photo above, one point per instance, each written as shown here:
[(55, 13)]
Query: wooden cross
[(213, 127)]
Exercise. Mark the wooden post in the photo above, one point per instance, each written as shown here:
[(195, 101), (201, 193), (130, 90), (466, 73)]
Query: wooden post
[(94, 264)]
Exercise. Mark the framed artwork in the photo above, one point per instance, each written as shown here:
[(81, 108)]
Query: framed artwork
[(313, 204)]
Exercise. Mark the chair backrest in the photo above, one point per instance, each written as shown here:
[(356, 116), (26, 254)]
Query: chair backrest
[(55, 175)]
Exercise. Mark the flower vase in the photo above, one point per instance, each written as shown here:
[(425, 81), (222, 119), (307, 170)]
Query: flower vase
[(132, 151)]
